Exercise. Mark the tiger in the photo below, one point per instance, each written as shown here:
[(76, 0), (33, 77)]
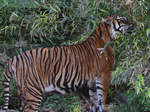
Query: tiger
[(81, 68)]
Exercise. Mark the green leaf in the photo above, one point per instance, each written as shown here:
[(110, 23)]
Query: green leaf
[(139, 83), (104, 11), (148, 92), (148, 32), (37, 3), (53, 8)]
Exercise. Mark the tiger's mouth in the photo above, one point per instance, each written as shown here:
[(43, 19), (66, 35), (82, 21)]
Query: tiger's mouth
[(130, 29)]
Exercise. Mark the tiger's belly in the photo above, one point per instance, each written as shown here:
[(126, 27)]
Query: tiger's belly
[(81, 88)]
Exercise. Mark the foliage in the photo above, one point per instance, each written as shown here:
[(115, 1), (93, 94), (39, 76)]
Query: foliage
[(29, 24), (140, 103), (133, 60), (65, 103)]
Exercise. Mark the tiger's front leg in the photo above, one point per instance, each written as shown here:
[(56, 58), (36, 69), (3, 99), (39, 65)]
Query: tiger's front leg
[(100, 95), (93, 100), (96, 93)]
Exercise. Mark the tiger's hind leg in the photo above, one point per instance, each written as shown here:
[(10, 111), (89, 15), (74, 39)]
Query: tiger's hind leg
[(22, 103), (32, 101)]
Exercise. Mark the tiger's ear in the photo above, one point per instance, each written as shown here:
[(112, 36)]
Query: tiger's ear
[(107, 21)]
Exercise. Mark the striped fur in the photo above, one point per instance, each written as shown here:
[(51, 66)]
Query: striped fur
[(64, 69)]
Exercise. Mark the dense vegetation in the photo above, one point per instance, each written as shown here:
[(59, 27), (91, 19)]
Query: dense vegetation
[(28, 24)]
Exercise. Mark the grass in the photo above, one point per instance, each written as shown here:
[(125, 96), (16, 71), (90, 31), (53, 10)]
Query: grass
[(30, 24)]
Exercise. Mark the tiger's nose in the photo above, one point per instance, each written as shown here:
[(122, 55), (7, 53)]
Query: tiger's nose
[(131, 28)]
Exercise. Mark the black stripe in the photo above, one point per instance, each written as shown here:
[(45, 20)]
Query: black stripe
[(106, 26), (27, 65), (5, 81), (90, 48), (17, 62), (56, 51), (35, 77), (36, 105), (98, 83), (35, 85), (45, 60), (100, 32), (70, 75), (41, 80), (92, 89), (6, 86), (31, 55), (34, 93), (76, 74), (47, 63), (118, 22), (55, 54), (12, 60), (60, 86), (66, 70), (79, 84), (66, 86), (58, 64), (65, 52), (34, 101), (78, 61), (116, 28), (52, 79), (97, 87), (87, 56), (60, 56), (22, 63), (6, 92), (59, 80), (71, 65), (41, 57), (27, 56), (100, 95), (45, 55), (49, 78), (36, 53), (55, 70), (6, 76)]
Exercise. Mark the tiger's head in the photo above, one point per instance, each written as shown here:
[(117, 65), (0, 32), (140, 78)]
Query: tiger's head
[(118, 24)]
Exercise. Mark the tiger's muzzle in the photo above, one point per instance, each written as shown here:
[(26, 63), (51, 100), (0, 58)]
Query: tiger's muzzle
[(131, 29)]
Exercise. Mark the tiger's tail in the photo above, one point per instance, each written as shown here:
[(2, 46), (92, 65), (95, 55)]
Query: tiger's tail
[(6, 84)]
